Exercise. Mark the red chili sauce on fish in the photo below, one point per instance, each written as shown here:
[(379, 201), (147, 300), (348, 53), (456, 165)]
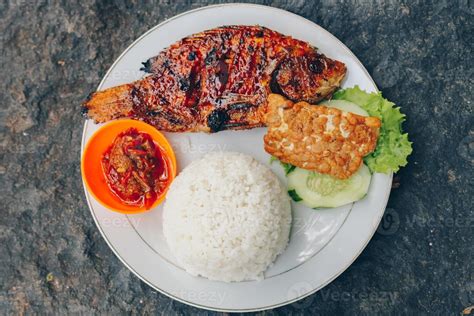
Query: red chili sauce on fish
[(135, 168)]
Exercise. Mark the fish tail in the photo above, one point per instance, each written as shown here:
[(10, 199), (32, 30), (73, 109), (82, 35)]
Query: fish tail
[(109, 104)]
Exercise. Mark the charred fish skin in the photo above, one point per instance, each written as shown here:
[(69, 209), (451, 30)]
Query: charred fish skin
[(324, 77), (299, 71), (220, 79)]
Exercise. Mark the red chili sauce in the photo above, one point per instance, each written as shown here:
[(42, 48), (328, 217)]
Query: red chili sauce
[(135, 168)]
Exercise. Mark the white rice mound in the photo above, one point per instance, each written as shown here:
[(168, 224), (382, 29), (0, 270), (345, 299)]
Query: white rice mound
[(227, 217)]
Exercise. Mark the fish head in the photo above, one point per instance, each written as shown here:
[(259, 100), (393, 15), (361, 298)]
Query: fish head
[(308, 77)]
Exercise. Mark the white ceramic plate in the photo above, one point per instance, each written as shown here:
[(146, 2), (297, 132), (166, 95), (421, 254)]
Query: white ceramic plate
[(323, 243)]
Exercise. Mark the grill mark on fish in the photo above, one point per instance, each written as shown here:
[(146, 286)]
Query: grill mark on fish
[(240, 106), (191, 56), (217, 120)]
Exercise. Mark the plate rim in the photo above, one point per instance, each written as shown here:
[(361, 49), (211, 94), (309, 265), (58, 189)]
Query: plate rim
[(245, 310)]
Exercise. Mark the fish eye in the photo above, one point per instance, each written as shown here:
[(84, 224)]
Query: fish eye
[(316, 66)]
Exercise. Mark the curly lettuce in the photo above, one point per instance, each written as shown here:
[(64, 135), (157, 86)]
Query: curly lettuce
[(393, 146)]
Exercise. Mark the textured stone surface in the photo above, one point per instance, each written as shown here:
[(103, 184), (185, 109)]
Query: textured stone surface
[(53, 258)]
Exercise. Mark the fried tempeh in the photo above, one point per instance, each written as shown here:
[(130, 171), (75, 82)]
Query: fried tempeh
[(319, 138)]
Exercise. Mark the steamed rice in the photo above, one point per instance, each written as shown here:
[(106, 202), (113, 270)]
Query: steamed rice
[(226, 217)]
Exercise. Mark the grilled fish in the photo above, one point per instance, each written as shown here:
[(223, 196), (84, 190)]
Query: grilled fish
[(220, 79), (319, 138)]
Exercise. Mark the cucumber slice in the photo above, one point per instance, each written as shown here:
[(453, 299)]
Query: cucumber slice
[(346, 106), (322, 190)]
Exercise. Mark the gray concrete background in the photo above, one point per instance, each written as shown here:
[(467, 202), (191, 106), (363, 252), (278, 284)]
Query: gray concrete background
[(54, 260)]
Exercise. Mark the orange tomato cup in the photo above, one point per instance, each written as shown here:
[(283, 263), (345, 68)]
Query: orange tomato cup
[(128, 166)]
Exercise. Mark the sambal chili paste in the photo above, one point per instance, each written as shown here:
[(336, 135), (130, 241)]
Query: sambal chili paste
[(135, 169)]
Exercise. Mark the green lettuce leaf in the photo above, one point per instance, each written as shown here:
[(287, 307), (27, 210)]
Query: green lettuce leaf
[(393, 146), (287, 167)]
